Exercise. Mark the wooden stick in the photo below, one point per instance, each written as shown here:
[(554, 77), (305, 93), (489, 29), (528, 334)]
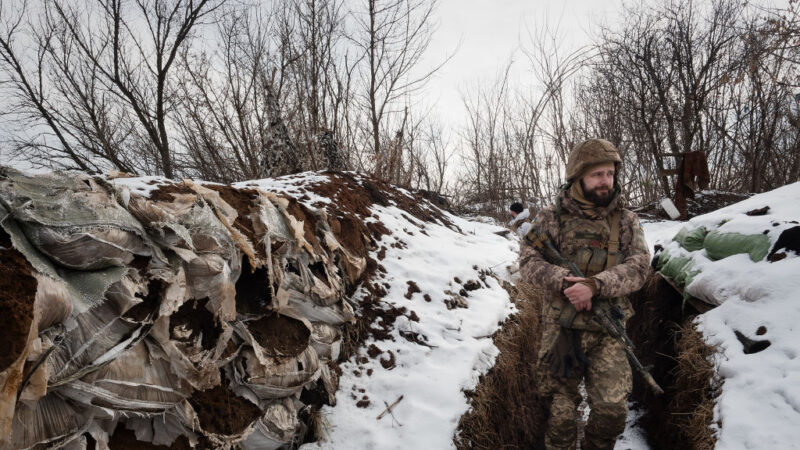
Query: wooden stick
[(389, 408)]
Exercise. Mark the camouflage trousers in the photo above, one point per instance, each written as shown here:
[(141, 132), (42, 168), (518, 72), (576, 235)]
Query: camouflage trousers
[(608, 382)]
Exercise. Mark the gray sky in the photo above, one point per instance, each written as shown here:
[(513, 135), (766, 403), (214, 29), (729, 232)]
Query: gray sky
[(485, 35)]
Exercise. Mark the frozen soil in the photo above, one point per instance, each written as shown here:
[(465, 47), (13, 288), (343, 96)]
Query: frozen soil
[(222, 412), (17, 294), (280, 335)]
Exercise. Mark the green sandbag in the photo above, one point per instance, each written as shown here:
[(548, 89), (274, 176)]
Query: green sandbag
[(691, 240), (687, 274), (675, 267), (721, 245)]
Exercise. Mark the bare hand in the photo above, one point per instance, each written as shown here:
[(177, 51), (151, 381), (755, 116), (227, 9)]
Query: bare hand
[(579, 294)]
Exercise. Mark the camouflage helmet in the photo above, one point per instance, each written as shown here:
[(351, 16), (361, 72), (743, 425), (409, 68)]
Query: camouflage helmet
[(589, 153)]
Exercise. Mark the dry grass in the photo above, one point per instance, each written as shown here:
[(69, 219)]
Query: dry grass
[(696, 387), (680, 360), (506, 409)]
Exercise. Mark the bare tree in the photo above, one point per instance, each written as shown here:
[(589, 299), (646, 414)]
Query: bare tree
[(105, 76), (392, 36)]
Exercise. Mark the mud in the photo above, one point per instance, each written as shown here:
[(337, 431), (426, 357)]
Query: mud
[(222, 412), (253, 291), (194, 317), (17, 294), (125, 439), (150, 302), (280, 335)]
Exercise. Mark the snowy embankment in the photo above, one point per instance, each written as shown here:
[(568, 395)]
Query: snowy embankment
[(433, 353), (450, 348), (759, 404)]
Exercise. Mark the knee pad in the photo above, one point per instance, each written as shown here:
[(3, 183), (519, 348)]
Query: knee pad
[(606, 421)]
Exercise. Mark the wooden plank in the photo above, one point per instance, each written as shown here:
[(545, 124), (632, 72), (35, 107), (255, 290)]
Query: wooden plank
[(699, 305)]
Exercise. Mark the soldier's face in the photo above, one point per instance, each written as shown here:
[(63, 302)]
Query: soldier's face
[(598, 184)]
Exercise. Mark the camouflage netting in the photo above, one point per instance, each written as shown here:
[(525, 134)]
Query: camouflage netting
[(198, 316)]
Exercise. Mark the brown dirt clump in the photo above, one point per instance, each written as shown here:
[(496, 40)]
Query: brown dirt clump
[(506, 408), (373, 351), (165, 191), (309, 219), (280, 335), (374, 318), (388, 363), (17, 294), (412, 289), (222, 412), (667, 341), (253, 290), (349, 231), (194, 317), (125, 439)]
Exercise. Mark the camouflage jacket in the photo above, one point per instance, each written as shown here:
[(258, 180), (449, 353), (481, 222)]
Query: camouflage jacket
[(614, 283)]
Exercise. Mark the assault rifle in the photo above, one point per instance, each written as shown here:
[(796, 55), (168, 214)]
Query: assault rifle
[(609, 318)]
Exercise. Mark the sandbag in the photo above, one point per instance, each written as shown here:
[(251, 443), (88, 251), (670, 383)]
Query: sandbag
[(73, 219), (691, 240), (720, 245)]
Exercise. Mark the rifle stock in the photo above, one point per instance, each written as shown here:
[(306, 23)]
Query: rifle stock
[(610, 319)]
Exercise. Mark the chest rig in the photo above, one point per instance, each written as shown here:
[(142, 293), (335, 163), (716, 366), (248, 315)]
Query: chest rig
[(593, 245)]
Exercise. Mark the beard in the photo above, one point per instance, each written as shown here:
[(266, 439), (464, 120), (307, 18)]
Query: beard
[(600, 196)]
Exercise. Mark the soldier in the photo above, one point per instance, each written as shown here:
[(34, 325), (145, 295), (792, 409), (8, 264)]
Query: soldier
[(590, 228), (520, 223)]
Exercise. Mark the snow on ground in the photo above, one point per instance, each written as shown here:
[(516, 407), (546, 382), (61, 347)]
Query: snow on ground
[(759, 407), (430, 379), (633, 438)]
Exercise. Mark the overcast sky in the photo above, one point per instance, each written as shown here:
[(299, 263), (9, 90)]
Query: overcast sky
[(485, 35)]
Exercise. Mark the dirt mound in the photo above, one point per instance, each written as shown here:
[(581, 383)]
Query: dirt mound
[(506, 409), (17, 294), (222, 412), (280, 335), (666, 340)]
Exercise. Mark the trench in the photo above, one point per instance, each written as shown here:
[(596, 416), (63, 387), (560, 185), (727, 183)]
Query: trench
[(506, 410)]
